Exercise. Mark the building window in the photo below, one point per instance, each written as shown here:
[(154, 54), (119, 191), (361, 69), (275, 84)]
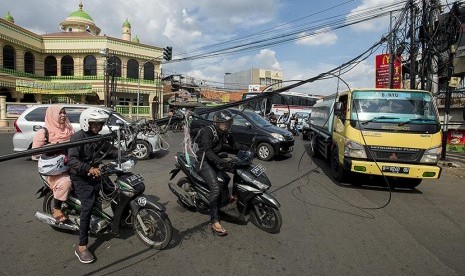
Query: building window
[(67, 66), (133, 69), (90, 66), (50, 66), (29, 63), (148, 71), (9, 57), (114, 63)]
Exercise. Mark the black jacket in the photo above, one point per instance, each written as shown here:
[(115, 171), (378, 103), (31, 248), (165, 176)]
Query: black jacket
[(211, 142), (83, 157)]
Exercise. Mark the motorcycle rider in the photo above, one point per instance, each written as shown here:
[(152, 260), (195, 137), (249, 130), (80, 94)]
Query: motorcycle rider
[(85, 173), (210, 141)]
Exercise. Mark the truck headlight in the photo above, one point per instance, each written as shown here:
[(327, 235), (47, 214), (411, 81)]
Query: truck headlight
[(354, 150), (431, 156), (278, 136)]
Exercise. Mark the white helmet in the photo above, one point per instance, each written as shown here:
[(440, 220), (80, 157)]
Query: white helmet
[(92, 114), (52, 165)]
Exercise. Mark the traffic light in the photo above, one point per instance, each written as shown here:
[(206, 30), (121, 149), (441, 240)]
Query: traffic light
[(168, 53)]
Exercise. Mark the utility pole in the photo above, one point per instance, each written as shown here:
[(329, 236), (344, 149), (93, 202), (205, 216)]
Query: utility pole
[(391, 56), (423, 46), (412, 45)]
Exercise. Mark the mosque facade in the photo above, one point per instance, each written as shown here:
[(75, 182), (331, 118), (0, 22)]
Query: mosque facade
[(79, 65)]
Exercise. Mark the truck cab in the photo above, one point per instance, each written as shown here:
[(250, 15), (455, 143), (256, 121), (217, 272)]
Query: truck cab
[(388, 132)]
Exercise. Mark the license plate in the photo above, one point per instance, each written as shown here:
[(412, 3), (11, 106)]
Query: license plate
[(396, 169), (135, 179)]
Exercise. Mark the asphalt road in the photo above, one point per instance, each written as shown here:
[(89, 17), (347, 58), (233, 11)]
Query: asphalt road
[(328, 228)]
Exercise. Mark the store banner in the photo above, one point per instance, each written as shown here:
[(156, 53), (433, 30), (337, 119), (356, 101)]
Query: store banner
[(456, 141)]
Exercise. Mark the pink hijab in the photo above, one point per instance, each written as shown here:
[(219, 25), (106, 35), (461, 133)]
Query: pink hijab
[(57, 132)]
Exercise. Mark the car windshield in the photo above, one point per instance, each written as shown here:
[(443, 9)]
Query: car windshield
[(394, 107), (257, 119)]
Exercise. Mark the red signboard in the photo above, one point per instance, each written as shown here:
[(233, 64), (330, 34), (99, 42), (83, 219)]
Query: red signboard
[(382, 72)]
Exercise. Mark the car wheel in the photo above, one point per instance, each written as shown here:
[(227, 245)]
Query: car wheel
[(265, 151), (142, 150)]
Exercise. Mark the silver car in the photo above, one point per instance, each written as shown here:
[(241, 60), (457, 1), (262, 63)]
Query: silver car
[(33, 119)]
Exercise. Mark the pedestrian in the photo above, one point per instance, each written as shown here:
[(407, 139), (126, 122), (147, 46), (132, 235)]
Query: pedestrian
[(57, 129), (85, 172)]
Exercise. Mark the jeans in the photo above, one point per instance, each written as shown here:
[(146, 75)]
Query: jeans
[(86, 193), (210, 175)]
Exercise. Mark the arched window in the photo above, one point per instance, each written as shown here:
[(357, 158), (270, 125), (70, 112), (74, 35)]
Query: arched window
[(114, 63), (29, 63), (133, 69), (90, 66), (67, 66), (148, 71), (9, 57), (50, 66)]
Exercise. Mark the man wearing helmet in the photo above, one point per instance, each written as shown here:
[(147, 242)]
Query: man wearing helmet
[(84, 172), (210, 141)]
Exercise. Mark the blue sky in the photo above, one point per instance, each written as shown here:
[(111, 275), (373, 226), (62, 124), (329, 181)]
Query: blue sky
[(187, 25)]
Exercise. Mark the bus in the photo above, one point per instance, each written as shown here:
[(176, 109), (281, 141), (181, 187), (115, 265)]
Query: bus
[(284, 102)]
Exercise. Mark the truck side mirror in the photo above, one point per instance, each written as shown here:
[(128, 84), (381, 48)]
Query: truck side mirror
[(338, 106)]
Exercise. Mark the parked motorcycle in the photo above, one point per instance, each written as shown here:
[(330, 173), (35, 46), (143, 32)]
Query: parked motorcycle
[(250, 185), (120, 203)]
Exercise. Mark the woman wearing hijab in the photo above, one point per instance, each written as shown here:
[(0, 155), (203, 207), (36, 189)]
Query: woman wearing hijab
[(59, 130)]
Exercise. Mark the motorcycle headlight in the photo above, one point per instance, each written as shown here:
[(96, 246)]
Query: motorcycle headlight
[(431, 156), (354, 150), (278, 136)]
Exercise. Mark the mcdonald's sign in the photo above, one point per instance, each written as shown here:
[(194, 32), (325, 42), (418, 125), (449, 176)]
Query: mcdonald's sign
[(382, 72)]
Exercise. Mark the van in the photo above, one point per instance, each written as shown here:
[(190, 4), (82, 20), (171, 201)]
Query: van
[(271, 140), (33, 119)]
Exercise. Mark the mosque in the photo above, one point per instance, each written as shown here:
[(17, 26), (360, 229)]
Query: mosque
[(79, 65)]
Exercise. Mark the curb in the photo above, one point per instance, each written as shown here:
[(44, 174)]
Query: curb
[(7, 130)]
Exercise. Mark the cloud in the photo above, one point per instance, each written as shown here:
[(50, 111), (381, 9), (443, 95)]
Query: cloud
[(319, 37), (374, 25)]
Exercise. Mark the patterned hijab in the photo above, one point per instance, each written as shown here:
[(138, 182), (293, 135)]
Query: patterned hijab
[(57, 132)]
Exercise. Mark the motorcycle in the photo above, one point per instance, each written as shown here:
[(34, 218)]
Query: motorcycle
[(250, 185), (120, 203)]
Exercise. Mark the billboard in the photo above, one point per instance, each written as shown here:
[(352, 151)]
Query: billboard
[(382, 72), (254, 88)]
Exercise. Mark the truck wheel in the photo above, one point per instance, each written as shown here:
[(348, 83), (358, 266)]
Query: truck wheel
[(142, 150), (313, 147), (337, 170), (265, 151)]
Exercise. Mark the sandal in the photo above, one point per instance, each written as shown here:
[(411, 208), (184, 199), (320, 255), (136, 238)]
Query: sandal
[(219, 231), (60, 218)]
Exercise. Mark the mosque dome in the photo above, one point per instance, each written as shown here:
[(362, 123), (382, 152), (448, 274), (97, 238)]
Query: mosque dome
[(80, 21), (9, 18)]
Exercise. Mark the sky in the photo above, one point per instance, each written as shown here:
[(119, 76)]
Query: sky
[(198, 27)]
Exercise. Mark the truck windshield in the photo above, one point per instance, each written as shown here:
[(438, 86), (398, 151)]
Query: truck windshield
[(393, 107)]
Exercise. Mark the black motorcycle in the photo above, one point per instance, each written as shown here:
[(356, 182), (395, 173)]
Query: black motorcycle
[(120, 203), (250, 185)]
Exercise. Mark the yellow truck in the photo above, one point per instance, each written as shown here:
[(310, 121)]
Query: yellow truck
[(390, 132)]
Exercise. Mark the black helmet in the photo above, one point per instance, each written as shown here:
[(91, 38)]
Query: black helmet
[(222, 120)]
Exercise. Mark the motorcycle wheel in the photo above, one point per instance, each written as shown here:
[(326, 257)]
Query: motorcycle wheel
[(47, 207), (266, 217), (158, 226)]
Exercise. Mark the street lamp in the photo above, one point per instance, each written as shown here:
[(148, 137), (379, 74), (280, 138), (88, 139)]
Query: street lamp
[(167, 55), (138, 83)]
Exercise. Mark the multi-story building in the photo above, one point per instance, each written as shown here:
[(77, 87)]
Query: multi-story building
[(79, 65), (255, 76)]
